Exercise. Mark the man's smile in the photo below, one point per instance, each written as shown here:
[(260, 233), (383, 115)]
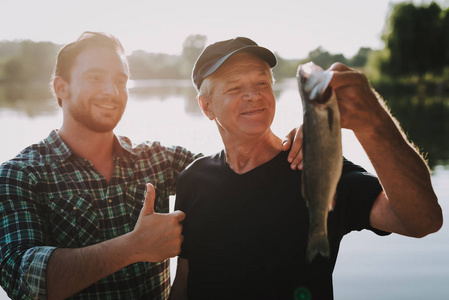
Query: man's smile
[(253, 111), (106, 105)]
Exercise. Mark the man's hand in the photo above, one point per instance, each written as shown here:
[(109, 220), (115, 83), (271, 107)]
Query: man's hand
[(361, 109), (157, 236), (154, 238), (408, 204), (294, 139)]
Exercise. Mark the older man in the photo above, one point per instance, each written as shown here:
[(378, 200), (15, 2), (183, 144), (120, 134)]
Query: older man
[(245, 231)]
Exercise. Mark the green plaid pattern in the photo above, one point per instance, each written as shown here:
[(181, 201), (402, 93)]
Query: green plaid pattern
[(50, 197)]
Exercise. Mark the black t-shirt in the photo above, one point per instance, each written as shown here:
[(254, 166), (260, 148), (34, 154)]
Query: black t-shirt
[(245, 235)]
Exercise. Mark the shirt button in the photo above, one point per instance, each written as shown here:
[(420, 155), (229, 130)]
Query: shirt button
[(127, 274), (74, 208), (110, 200)]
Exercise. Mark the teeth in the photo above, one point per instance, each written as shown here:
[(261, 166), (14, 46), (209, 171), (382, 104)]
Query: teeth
[(107, 106)]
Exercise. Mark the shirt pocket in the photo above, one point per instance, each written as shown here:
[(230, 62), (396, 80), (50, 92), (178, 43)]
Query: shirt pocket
[(74, 221)]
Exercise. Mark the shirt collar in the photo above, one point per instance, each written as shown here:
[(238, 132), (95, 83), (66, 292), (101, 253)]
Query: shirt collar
[(57, 145), (122, 147)]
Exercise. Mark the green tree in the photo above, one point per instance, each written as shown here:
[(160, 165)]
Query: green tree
[(360, 59), (320, 57), (324, 59), (191, 49), (375, 63), (30, 61), (38, 59), (9, 48), (445, 36), (13, 71), (285, 67), (413, 37), (145, 65), (193, 46)]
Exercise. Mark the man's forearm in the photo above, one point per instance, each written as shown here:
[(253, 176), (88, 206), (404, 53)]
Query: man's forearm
[(154, 238), (404, 176), (72, 270)]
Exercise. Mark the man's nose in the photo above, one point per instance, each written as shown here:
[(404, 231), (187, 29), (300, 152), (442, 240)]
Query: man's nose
[(251, 93), (110, 88)]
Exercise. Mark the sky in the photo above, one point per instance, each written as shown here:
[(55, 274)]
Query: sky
[(292, 28)]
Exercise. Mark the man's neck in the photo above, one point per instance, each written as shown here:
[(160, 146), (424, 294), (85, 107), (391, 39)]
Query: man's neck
[(243, 156), (96, 147)]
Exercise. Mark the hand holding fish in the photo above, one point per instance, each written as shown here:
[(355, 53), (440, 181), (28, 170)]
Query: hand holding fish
[(361, 109), (408, 204)]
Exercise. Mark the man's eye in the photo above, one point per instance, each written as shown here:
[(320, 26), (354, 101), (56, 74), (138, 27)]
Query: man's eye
[(233, 89), (94, 77)]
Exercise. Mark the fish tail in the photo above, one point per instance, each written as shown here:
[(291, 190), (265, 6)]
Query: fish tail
[(318, 243)]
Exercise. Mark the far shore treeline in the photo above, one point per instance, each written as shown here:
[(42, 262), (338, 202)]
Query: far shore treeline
[(28, 61), (415, 56)]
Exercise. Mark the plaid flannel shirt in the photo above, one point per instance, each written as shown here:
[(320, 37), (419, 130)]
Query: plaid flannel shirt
[(50, 197)]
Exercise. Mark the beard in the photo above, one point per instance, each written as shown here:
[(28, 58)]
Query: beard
[(84, 113)]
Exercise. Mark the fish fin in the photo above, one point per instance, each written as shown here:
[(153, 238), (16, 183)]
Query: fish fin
[(318, 244), (330, 118)]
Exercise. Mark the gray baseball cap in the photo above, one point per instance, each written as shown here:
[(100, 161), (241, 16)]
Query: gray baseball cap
[(214, 55)]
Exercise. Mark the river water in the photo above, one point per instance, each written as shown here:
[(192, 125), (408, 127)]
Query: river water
[(368, 267)]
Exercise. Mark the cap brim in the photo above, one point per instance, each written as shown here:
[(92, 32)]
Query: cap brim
[(261, 52)]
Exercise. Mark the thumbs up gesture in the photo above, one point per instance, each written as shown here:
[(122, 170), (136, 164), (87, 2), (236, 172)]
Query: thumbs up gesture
[(148, 205), (157, 236)]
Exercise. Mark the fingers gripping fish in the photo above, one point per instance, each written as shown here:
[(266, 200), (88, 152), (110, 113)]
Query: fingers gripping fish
[(323, 159)]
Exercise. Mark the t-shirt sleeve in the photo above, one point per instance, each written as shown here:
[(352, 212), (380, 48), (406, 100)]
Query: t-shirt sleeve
[(181, 203), (356, 192)]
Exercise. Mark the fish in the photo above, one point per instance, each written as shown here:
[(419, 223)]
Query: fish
[(322, 153)]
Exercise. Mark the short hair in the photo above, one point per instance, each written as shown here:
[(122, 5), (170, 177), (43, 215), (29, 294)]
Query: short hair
[(207, 86), (88, 39)]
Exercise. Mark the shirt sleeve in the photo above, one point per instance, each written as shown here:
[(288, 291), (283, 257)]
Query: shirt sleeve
[(24, 257), (356, 193), (181, 204)]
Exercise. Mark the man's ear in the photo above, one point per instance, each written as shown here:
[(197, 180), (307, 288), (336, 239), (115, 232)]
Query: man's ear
[(206, 107), (61, 87)]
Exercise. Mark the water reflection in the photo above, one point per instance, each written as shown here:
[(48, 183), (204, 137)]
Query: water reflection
[(33, 100), (425, 119)]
